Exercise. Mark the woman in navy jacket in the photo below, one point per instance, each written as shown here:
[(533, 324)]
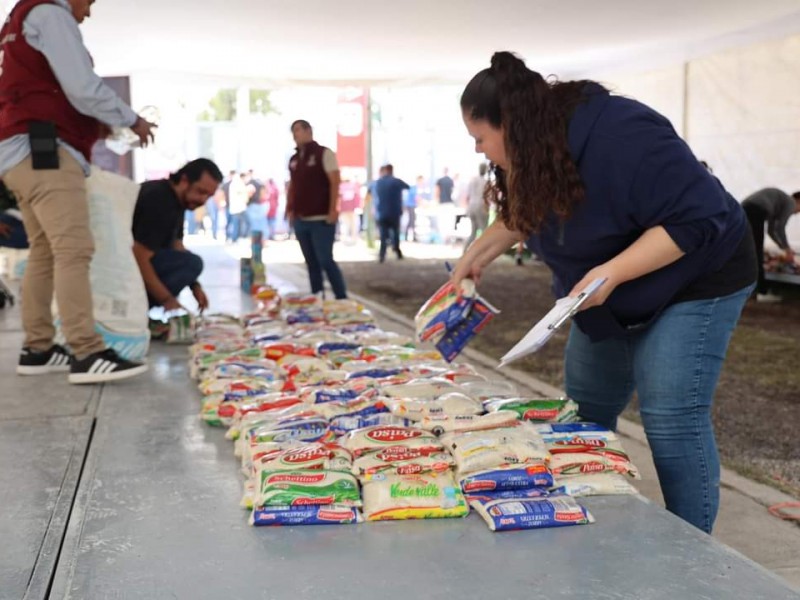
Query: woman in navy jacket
[(602, 186)]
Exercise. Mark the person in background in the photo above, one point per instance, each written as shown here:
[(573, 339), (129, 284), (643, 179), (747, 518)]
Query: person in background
[(53, 108), (349, 202), (772, 207), (273, 197), (444, 188), (410, 204), (603, 188), (256, 205), (226, 189), (477, 209), (164, 262), (389, 209), (312, 207), (214, 205), (237, 226)]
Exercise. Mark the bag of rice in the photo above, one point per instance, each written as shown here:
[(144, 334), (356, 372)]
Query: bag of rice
[(303, 488), (372, 439), (427, 496), (599, 484), (559, 410), (508, 477), (399, 460)]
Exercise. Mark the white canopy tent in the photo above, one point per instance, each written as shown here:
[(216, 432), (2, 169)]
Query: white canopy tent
[(419, 40)]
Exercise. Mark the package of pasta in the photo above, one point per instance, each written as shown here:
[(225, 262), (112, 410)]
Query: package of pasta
[(599, 484), (555, 410), (308, 457), (372, 439), (421, 388), (399, 460), (585, 463), (305, 488), (532, 513), (426, 496), (508, 477), (452, 317), (601, 443), (440, 424), (490, 390), (305, 515), (489, 496)]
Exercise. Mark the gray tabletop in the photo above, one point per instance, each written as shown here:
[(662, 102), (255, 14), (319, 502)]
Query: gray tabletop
[(156, 516)]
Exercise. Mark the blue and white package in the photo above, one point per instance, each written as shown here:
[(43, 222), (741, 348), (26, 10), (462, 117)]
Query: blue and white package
[(327, 347), (326, 395), (532, 513), (519, 477), (487, 497), (345, 424), (568, 429), (374, 373), (276, 516)]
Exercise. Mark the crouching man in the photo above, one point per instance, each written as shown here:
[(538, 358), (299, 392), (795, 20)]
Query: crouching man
[(166, 265)]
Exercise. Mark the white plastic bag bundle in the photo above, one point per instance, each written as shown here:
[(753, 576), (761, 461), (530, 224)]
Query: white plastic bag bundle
[(118, 292)]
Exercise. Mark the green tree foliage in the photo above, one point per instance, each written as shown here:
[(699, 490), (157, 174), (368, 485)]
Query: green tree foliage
[(222, 107)]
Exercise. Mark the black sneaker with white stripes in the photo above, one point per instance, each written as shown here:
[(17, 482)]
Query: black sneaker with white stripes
[(55, 360), (104, 366)]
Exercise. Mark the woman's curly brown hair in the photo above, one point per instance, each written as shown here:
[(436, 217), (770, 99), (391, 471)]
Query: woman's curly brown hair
[(542, 179)]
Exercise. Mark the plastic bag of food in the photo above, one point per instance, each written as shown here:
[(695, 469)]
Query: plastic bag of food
[(450, 404), (452, 317), (532, 513), (553, 431), (508, 477), (304, 488), (421, 388), (584, 463), (484, 450), (307, 457), (400, 460), (431, 496), (372, 439), (440, 424), (490, 390), (490, 496), (305, 515), (346, 423), (558, 410), (599, 484)]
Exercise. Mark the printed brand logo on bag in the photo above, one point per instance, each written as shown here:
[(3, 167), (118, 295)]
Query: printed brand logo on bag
[(429, 491), (593, 467), (409, 469), (335, 515), (281, 478), (540, 415), (305, 455), (313, 501), (480, 486), (579, 441), (393, 434), (568, 517)]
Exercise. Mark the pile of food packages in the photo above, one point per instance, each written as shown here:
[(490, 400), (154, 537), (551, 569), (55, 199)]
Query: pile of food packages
[(337, 421)]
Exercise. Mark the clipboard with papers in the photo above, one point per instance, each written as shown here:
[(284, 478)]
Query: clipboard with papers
[(564, 309)]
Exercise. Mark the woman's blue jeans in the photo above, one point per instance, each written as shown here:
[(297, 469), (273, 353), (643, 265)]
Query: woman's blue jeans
[(674, 366)]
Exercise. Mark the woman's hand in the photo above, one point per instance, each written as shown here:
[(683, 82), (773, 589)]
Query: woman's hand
[(612, 278), (495, 240)]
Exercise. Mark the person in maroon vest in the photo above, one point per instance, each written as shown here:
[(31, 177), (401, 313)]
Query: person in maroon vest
[(53, 108), (312, 207)]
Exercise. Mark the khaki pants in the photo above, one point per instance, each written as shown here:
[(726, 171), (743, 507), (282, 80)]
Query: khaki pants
[(55, 212)]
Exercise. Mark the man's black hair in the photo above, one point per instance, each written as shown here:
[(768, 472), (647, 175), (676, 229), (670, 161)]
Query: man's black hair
[(194, 170)]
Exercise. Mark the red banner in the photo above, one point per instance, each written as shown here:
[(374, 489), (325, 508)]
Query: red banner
[(351, 128)]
